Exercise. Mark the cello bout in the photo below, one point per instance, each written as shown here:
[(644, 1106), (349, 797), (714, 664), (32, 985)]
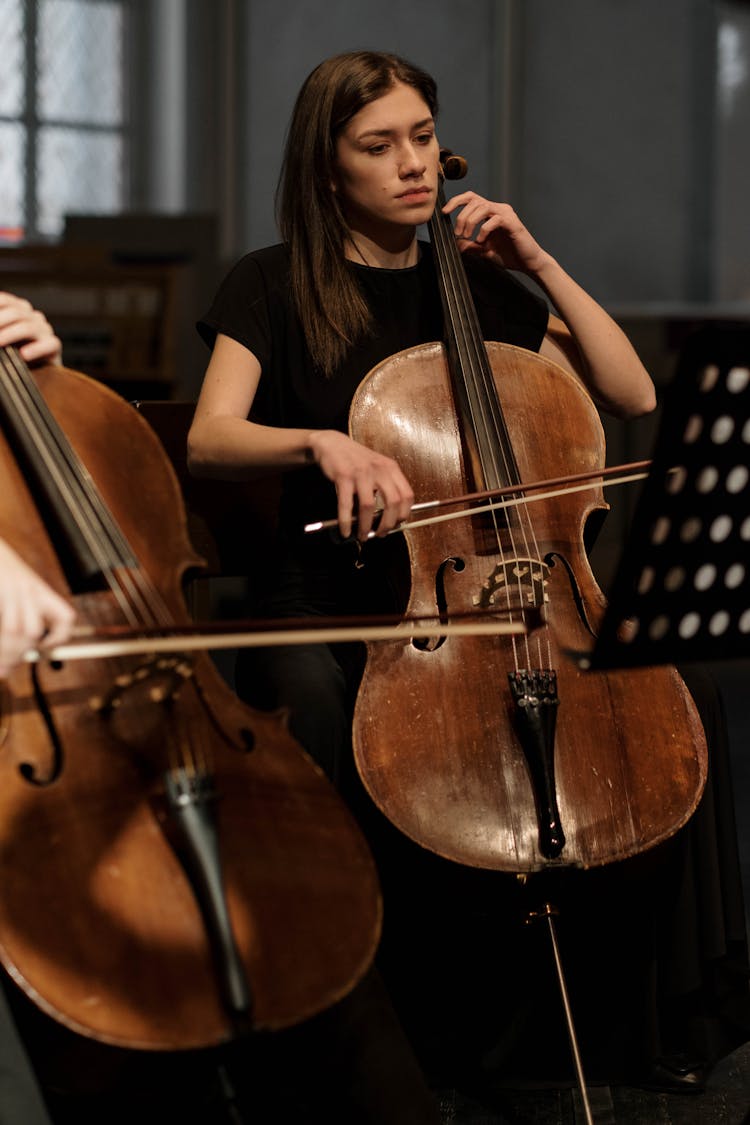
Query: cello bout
[(163, 887), (630, 758)]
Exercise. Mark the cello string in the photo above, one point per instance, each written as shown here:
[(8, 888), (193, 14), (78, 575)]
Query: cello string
[(489, 420), (491, 417), (461, 314), (486, 407), (21, 405), (488, 416), (70, 478), (93, 519), (451, 282), (134, 593), (498, 436), (54, 440)]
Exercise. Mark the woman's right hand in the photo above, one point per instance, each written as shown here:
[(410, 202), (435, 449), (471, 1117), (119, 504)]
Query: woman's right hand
[(364, 479), (30, 611)]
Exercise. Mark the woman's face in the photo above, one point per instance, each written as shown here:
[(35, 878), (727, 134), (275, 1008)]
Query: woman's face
[(387, 165)]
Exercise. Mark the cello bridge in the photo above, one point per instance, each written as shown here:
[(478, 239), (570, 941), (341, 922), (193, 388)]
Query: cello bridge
[(157, 680), (516, 584)]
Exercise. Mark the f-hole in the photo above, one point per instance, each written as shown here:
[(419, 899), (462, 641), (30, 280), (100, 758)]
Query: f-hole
[(431, 644)]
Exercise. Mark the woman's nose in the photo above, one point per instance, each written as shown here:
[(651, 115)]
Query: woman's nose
[(412, 162)]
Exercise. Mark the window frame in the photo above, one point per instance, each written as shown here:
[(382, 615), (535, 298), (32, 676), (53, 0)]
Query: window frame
[(32, 123)]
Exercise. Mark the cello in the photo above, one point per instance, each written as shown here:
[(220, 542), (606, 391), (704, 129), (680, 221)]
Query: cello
[(175, 870), (516, 760)]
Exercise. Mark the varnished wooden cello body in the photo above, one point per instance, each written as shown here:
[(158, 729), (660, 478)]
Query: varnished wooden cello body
[(174, 870), (498, 753)]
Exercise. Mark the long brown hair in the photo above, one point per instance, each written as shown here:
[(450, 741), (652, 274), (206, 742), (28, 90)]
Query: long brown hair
[(333, 312)]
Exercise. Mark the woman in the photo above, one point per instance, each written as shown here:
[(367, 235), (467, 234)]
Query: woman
[(294, 329)]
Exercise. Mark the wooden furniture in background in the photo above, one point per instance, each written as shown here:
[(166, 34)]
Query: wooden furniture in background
[(116, 321)]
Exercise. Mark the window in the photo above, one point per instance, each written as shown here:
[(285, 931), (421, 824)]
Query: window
[(63, 128)]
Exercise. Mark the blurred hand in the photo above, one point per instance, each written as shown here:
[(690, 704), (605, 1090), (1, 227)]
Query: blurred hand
[(30, 611), (24, 327)]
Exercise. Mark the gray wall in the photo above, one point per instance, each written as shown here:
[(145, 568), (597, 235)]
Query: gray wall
[(616, 166), (457, 43), (617, 128), (732, 221)]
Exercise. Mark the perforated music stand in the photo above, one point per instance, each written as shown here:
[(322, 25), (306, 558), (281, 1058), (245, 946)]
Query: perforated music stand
[(682, 587), (681, 592)]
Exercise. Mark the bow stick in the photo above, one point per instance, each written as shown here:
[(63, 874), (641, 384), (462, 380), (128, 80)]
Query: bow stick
[(112, 641), (634, 470)]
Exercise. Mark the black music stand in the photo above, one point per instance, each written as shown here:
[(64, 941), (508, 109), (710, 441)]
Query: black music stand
[(682, 587), (681, 592)]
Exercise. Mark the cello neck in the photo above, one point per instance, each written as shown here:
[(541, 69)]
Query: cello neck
[(92, 541), (485, 434)]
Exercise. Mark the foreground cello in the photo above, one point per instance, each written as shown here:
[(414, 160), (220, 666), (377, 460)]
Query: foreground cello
[(174, 870), (501, 753)]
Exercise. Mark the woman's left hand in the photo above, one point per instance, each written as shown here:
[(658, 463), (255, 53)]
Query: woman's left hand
[(607, 362), (24, 327), (495, 231)]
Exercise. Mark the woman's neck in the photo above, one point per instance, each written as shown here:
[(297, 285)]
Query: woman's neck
[(394, 255)]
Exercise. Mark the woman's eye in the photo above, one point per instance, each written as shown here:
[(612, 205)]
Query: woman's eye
[(424, 138), (376, 150)]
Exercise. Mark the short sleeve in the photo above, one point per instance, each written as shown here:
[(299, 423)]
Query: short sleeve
[(240, 309)]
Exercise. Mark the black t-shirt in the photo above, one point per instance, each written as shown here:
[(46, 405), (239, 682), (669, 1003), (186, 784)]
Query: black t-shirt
[(254, 306)]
